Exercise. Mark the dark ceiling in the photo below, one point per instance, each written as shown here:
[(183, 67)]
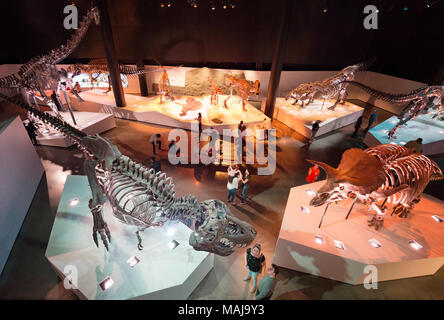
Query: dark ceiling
[(408, 43)]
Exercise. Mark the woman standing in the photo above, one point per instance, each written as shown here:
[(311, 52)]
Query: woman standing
[(232, 185), (255, 264), (246, 182)]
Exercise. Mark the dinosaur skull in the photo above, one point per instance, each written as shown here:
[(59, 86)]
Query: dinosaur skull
[(357, 173), (221, 232)]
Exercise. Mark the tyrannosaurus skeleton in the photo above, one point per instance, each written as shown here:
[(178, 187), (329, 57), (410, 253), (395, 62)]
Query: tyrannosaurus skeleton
[(335, 86), (142, 198), (387, 172), (40, 73), (419, 101)]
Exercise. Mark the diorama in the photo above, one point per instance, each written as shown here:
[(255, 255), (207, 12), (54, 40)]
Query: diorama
[(129, 216)]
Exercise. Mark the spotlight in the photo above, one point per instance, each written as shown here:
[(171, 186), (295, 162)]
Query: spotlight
[(339, 244), (319, 239), (73, 202), (106, 283), (415, 245), (437, 218), (173, 244), (224, 4), (212, 5), (192, 3), (324, 8), (171, 231), (133, 261), (305, 209), (375, 243)]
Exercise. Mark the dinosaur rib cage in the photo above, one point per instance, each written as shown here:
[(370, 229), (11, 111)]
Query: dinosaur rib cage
[(403, 167), (143, 198)]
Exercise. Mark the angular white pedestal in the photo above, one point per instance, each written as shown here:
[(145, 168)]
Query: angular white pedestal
[(20, 175), (88, 122), (162, 273), (301, 119), (297, 249), (169, 113), (430, 130)]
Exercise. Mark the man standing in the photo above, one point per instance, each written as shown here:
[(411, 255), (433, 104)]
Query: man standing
[(357, 127), (31, 129), (415, 145), (314, 130), (155, 138), (267, 283), (155, 164), (55, 99), (372, 119)]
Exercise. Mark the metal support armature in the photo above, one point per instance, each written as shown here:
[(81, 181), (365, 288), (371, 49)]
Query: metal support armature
[(351, 208), (323, 215)]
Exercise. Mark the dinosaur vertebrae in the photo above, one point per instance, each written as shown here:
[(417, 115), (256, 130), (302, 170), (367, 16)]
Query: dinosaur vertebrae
[(100, 66), (402, 167), (30, 70), (141, 197), (420, 100)]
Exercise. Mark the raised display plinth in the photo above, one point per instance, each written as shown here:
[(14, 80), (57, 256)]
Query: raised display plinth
[(87, 122), (162, 273), (301, 119), (430, 130), (179, 113), (20, 173), (298, 249)]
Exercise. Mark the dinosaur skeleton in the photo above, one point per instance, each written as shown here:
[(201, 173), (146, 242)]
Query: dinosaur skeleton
[(385, 172), (243, 88), (335, 86), (420, 100), (96, 67), (142, 198), (40, 73)]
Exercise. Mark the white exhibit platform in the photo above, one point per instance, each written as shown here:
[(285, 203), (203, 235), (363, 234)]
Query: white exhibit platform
[(162, 273), (179, 113), (430, 130), (301, 119), (298, 249), (20, 175), (87, 122)]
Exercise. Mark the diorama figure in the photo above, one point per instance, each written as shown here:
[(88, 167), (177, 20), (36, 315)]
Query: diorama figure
[(257, 86), (243, 89), (164, 87), (142, 198), (215, 91), (387, 172)]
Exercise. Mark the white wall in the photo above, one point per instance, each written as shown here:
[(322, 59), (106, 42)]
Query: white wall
[(20, 174)]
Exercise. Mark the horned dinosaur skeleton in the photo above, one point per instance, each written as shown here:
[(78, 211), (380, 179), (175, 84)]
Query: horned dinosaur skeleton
[(386, 172), (420, 100), (335, 86), (142, 198), (243, 88), (40, 73)]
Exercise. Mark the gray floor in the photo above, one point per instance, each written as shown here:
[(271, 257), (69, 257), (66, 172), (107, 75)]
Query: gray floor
[(28, 275)]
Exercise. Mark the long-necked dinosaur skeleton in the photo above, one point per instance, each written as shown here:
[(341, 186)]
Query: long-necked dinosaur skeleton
[(420, 100), (142, 198), (41, 73), (335, 86), (387, 172)]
